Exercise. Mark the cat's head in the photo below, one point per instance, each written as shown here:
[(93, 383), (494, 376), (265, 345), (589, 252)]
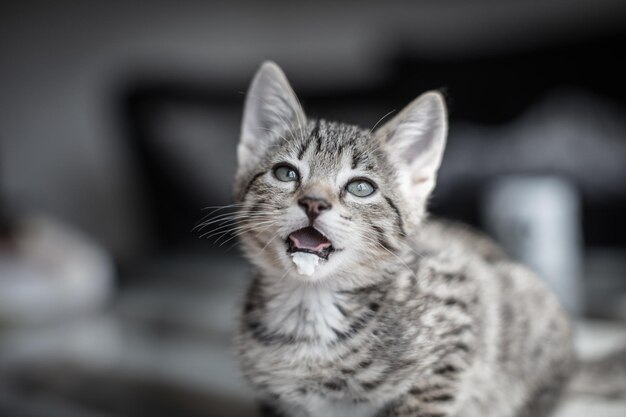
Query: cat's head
[(350, 196)]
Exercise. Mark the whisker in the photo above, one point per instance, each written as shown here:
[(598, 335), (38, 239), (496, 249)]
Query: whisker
[(231, 227), (237, 206), (380, 120), (238, 229), (235, 216), (240, 232), (268, 243), (375, 242)]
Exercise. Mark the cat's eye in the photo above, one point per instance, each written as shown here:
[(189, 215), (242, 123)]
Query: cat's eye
[(360, 188), (286, 173)]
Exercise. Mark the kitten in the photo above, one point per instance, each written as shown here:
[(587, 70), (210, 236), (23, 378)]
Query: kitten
[(359, 306)]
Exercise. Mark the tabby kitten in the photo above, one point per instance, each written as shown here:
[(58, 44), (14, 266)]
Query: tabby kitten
[(361, 307)]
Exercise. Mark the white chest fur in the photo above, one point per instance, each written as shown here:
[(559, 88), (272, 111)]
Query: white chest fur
[(305, 311), (315, 314)]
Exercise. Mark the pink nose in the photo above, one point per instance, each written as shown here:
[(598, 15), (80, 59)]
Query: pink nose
[(313, 206)]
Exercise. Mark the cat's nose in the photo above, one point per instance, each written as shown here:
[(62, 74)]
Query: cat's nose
[(313, 206)]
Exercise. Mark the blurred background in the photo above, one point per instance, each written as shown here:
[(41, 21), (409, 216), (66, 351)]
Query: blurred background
[(118, 126)]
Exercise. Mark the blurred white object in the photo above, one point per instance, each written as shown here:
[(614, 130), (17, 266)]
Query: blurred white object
[(49, 271), (537, 220), (305, 262)]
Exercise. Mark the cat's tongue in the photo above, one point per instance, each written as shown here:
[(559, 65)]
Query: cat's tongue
[(308, 239)]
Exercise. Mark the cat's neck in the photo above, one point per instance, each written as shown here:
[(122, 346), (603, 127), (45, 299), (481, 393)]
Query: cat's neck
[(317, 313)]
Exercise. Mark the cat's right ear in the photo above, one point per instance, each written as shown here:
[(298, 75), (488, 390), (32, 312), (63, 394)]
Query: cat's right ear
[(416, 139), (271, 111)]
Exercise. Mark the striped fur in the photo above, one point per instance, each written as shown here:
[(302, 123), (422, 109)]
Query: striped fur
[(408, 317)]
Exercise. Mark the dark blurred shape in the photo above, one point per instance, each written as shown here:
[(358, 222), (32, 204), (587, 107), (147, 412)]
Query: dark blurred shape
[(528, 111), (183, 138)]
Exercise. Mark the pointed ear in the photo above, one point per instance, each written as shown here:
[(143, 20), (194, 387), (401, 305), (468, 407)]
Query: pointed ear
[(271, 111), (416, 138)]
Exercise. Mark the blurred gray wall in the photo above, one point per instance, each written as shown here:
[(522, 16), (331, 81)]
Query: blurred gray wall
[(63, 64)]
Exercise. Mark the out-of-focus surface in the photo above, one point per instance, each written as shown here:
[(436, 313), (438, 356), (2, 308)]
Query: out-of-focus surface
[(164, 349), (120, 119)]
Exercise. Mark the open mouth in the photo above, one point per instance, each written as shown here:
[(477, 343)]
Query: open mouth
[(309, 240)]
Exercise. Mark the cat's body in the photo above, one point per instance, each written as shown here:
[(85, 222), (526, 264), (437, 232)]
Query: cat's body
[(403, 317), (459, 333)]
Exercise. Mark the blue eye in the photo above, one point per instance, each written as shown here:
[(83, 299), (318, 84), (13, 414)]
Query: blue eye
[(286, 173), (360, 188)]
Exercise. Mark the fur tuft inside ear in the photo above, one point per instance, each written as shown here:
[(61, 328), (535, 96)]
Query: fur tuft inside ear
[(416, 138), (271, 111)]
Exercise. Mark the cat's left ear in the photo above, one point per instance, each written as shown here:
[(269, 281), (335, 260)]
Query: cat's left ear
[(416, 138), (271, 112)]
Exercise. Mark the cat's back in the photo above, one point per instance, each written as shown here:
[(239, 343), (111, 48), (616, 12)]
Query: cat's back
[(526, 333), (442, 235), (456, 245), (521, 295)]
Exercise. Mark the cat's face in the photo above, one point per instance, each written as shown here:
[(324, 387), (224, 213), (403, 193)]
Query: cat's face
[(327, 201)]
